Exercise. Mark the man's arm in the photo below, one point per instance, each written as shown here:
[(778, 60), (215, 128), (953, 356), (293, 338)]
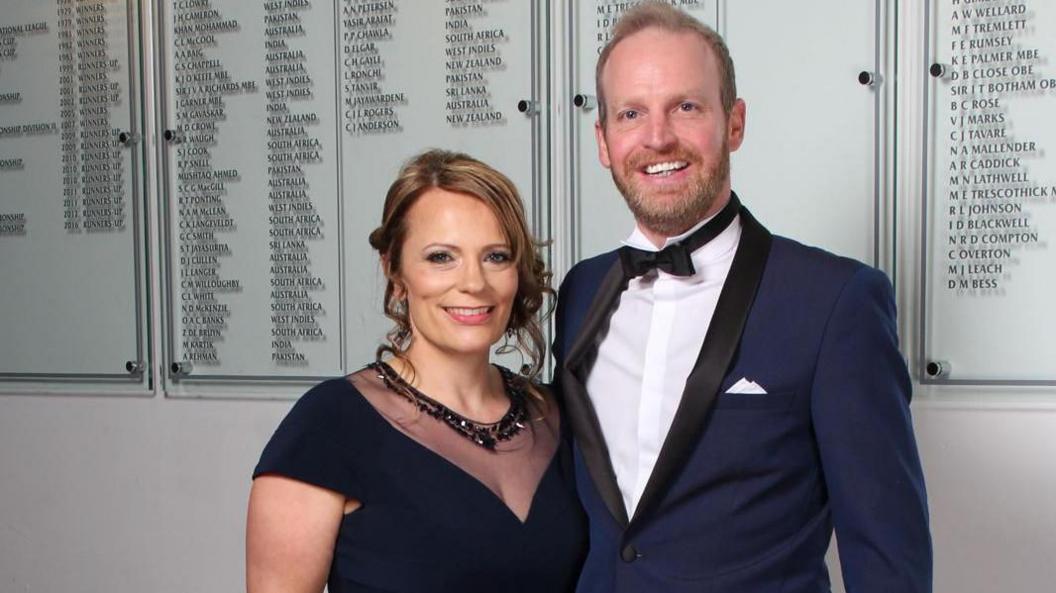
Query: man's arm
[(860, 407)]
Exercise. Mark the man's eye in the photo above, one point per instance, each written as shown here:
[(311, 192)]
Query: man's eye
[(629, 115), (687, 106), (439, 257)]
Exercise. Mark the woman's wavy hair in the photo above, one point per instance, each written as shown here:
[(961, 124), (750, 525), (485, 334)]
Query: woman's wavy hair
[(461, 173)]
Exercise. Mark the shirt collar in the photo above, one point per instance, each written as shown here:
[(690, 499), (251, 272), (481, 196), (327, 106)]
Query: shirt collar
[(712, 251), (638, 240)]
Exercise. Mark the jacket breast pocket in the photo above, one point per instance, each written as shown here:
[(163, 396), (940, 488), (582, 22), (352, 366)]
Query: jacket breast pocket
[(754, 401)]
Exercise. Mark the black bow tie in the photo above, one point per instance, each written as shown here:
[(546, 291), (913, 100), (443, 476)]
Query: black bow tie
[(675, 259)]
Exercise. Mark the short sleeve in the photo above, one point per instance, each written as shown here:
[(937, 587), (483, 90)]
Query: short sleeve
[(312, 443)]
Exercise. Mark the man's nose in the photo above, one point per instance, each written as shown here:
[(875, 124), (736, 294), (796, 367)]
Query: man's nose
[(660, 133)]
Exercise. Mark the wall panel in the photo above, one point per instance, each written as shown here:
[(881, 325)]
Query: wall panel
[(72, 263)]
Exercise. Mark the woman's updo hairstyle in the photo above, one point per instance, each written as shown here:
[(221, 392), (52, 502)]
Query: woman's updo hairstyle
[(461, 173)]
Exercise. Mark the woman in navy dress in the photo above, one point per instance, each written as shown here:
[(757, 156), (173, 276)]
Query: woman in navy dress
[(430, 469)]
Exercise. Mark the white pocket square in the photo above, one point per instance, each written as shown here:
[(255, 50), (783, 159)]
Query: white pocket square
[(745, 386)]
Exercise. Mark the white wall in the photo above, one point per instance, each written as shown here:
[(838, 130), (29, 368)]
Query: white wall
[(992, 485), (107, 495)]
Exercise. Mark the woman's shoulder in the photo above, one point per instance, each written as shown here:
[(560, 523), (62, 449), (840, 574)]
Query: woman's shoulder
[(316, 441), (329, 394), (331, 406), (332, 391)]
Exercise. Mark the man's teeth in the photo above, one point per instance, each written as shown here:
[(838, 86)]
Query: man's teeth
[(466, 311), (668, 167)]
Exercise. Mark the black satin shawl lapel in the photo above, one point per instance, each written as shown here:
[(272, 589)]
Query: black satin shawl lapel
[(720, 344), (601, 308), (581, 415)]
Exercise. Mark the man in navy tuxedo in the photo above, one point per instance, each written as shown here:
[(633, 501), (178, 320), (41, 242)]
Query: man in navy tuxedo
[(734, 395)]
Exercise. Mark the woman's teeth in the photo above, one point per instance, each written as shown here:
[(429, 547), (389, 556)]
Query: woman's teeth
[(468, 312)]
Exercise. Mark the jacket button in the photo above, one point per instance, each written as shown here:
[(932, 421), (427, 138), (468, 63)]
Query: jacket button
[(629, 554)]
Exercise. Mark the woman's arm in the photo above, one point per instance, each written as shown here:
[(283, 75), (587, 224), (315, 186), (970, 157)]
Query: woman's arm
[(290, 532)]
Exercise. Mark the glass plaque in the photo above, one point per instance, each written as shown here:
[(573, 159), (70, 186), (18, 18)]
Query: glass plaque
[(809, 167), (70, 251), (251, 182), (990, 194), (416, 75), (286, 122)]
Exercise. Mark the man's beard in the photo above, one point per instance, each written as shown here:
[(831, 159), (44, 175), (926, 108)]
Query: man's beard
[(672, 216)]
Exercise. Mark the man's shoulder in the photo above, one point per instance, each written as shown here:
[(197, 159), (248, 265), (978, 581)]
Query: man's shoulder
[(590, 271), (793, 256), (819, 272), (579, 287)]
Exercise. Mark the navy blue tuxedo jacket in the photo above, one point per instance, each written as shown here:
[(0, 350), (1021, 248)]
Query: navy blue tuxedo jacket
[(748, 487)]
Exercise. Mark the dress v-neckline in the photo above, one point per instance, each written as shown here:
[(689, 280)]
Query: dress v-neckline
[(457, 469)]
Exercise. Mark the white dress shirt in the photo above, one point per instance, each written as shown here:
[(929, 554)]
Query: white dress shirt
[(646, 355)]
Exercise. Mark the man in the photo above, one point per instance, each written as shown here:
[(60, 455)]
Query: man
[(733, 395)]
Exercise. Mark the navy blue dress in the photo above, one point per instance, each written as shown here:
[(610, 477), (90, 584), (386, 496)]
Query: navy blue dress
[(426, 526)]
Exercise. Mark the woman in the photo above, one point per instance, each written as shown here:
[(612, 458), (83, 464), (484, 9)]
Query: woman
[(430, 469)]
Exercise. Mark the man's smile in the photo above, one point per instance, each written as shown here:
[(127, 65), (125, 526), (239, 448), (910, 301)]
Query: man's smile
[(665, 169)]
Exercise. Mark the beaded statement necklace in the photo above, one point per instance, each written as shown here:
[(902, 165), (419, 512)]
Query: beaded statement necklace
[(485, 435)]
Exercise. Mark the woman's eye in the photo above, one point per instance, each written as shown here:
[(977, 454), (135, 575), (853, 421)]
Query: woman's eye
[(439, 257), (499, 257)]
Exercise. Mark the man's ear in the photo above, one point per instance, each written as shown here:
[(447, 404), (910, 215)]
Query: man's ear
[(603, 147), (735, 125)]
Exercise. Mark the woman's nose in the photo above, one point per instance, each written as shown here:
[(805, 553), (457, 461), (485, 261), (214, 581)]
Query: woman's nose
[(472, 278)]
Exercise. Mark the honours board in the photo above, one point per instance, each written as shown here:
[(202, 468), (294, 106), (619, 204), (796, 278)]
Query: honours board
[(990, 193), (70, 250), (286, 122)]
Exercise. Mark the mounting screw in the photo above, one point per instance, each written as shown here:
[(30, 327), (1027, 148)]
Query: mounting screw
[(127, 138), (937, 70), (181, 369), (937, 369), (135, 367), (527, 107), (585, 102), (172, 136), (866, 78)]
